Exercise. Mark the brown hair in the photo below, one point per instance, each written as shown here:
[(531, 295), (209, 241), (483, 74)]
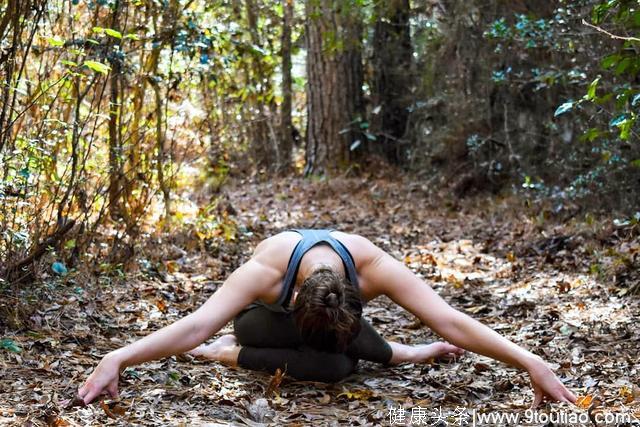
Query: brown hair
[(327, 311)]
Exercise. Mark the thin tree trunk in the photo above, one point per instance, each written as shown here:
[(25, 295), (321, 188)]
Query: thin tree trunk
[(161, 152), (116, 208), (265, 149), (286, 125)]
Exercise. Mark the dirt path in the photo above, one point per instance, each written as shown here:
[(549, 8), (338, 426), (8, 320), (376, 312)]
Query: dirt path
[(530, 283)]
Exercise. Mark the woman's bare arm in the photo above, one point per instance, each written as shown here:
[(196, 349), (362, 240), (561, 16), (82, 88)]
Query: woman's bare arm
[(390, 277), (246, 284), (243, 286)]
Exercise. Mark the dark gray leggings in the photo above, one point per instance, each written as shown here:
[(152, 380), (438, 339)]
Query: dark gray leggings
[(270, 341)]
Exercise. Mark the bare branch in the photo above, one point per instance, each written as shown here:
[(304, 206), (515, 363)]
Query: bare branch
[(613, 36)]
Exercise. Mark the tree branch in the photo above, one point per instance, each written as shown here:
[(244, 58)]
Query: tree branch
[(613, 36), (40, 250)]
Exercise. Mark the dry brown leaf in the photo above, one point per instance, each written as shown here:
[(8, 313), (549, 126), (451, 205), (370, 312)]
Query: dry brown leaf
[(57, 422), (274, 384), (584, 401), (72, 403), (626, 393), (563, 287), (481, 367), (162, 306), (172, 266), (362, 394), (113, 410)]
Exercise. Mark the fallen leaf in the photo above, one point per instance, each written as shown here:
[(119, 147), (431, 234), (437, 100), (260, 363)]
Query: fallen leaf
[(274, 384), (584, 401), (172, 266), (162, 306), (563, 287), (481, 367), (113, 410), (626, 393), (362, 394), (72, 403)]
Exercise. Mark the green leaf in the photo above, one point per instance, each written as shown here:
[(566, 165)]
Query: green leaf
[(98, 30), (567, 106), (24, 173), (624, 122), (97, 66), (623, 65), (635, 163), (55, 41), (625, 129), (610, 61), (590, 135), (10, 345), (59, 268), (591, 92), (132, 37), (618, 121), (113, 33), (370, 136), (69, 63)]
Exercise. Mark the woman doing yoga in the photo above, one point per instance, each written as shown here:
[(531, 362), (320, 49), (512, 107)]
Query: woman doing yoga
[(297, 305)]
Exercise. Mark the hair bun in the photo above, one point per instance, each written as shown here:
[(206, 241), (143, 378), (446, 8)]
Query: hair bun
[(331, 300)]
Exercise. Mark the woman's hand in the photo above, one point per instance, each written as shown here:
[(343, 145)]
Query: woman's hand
[(104, 379), (546, 385)]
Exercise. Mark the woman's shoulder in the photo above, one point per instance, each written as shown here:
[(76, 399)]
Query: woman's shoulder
[(277, 241), (361, 248), (276, 249)]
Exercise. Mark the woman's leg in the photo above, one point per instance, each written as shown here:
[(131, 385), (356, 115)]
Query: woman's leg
[(224, 350), (265, 341), (369, 345), (403, 353), (302, 363), (258, 326)]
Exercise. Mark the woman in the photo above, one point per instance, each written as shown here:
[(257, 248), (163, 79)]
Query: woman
[(297, 305)]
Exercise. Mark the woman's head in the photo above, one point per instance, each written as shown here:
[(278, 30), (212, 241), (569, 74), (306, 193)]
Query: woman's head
[(327, 311)]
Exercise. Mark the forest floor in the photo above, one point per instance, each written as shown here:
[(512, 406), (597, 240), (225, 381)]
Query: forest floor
[(533, 279)]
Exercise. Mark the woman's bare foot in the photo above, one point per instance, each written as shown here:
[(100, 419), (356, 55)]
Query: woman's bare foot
[(225, 350), (422, 353)]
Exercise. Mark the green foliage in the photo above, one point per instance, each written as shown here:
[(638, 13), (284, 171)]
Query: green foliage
[(567, 106), (9, 345), (215, 74), (593, 78), (59, 268), (97, 66)]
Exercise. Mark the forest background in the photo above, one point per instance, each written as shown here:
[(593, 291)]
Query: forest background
[(112, 112), (125, 124)]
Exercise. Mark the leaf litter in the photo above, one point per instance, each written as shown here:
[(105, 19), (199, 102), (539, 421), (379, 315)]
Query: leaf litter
[(533, 282)]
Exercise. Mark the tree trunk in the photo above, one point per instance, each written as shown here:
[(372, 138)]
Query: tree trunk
[(264, 142), (116, 172), (392, 76), (286, 126), (334, 88)]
